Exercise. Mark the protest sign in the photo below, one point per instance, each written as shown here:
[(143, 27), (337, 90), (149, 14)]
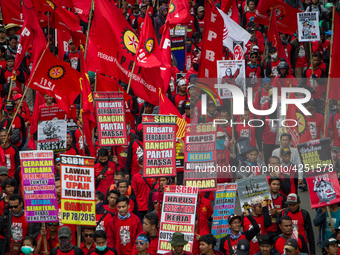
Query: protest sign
[(200, 157), (238, 50), (253, 189), (322, 180), (308, 26), (111, 120), (54, 112), (52, 136), (231, 72), (41, 204), (78, 204), (224, 207), (178, 215), (159, 133), (178, 41), (180, 153)]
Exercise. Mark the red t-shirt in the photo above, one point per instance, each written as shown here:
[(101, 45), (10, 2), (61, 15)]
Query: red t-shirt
[(85, 249), (254, 72), (334, 124), (319, 87), (302, 58), (254, 246), (11, 154), (315, 125), (107, 208), (19, 228), (142, 190), (260, 99), (104, 184), (74, 58), (104, 223)]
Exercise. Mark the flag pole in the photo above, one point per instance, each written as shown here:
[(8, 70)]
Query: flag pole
[(88, 29), (266, 46), (10, 87), (23, 95), (329, 74), (232, 129), (311, 63)]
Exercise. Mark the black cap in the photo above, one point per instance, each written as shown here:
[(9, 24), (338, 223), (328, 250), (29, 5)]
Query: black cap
[(234, 217), (243, 247), (10, 105), (285, 151), (187, 105), (64, 232), (265, 239), (211, 102), (251, 23), (272, 49), (3, 170), (331, 241)]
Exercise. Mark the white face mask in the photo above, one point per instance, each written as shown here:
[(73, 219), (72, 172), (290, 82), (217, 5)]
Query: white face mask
[(274, 56)]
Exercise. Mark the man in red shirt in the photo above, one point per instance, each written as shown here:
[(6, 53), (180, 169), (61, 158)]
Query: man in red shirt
[(229, 243), (150, 229), (284, 79), (315, 121), (73, 56), (254, 72), (271, 68), (11, 153), (88, 245), (70, 148), (51, 234), (9, 72), (261, 96), (123, 228), (315, 81), (333, 127), (200, 18), (8, 189), (112, 199), (248, 14), (181, 95), (66, 246), (139, 20), (142, 187), (104, 171)]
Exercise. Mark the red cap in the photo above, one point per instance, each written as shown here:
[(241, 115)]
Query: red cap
[(16, 97), (140, 127), (155, 197)]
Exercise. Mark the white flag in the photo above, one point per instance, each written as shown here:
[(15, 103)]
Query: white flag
[(233, 32)]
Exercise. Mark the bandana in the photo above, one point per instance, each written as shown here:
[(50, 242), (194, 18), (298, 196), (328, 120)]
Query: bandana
[(143, 238), (251, 163), (232, 236), (124, 217)]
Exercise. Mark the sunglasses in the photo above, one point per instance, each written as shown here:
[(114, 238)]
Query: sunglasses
[(253, 57), (88, 235), (13, 206), (53, 224), (141, 243), (155, 202)]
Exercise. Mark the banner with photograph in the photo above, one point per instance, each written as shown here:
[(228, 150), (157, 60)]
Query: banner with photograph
[(54, 112), (253, 189), (322, 180), (232, 72), (308, 26), (178, 215), (200, 157), (52, 135), (111, 119), (225, 199), (41, 204), (78, 205), (159, 155)]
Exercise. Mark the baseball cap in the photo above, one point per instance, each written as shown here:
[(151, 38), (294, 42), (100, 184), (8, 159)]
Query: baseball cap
[(211, 102), (135, 6), (10, 105), (140, 127), (200, 9), (2, 29), (220, 134), (69, 133), (253, 53), (16, 97), (191, 85), (293, 199), (291, 244), (140, 159), (64, 232), (187, 105), (181, 82), (265, 239), (255, 47), (251, 24), (285, 151), (272, 49), (250, 29), (3, 170), (143, 5), (243, 247), (155, 197), (70, 41), (234, 217), (331, 241)]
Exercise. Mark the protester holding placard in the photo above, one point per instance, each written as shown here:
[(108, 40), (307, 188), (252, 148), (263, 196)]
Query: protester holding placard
[(51, 234), (11, 153), (104, 171)]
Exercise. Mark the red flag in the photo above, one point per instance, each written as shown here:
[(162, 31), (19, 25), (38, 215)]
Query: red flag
[(53, 77), (149, 54), (24, 43), (82, 8), (34, 122), (274, 38), (231, 5), (286, 15), (300, 133), (168, 108), (63, 36), (88, 112), (179, 13), (12, 11), (105, 83), (115, 57), (212, 48), (334, 88), (166, 51)]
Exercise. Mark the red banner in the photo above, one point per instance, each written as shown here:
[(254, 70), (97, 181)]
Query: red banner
[(12, 11), (200, 157), (111, 120), (159, 133)]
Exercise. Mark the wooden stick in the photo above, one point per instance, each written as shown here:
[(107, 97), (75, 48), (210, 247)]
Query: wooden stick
[(311, 63), (78, 236), (330, 217), (10, 88), (133, 69), (23, 95), (329, 77), (232, 129), (45, 239), (266, 45), (88, 28)]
